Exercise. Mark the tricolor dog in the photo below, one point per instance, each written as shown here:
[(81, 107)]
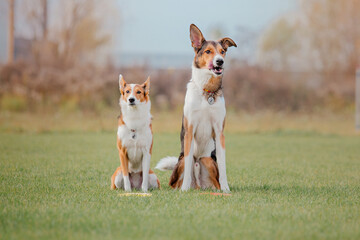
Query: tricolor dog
[(134, 139), (201, 163)]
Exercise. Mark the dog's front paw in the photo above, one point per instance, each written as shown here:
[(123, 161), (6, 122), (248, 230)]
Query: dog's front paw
[(127, 186), (144, 187), (127, 189), (225, 188), (185, 188)]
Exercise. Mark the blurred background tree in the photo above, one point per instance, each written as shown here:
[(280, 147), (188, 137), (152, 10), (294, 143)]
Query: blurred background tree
[(76, 35), (324, 35), (66, 58)]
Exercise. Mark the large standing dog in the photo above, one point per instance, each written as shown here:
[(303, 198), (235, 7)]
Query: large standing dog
[(202, 159), (134, 139)]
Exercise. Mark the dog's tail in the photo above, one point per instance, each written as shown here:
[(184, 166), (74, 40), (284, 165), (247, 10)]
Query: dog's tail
[(167, 163)]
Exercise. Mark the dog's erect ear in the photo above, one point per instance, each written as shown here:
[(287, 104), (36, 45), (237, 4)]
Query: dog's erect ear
[(146, 85), (227, 42), (196, 37), (122, 84)]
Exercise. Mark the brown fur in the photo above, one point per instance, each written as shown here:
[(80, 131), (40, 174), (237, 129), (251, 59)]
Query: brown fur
[(214, 84), (176, 178), (188, 136), (124, 160), (213, 170)]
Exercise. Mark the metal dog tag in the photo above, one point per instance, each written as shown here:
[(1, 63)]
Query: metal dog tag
[(211, 100)]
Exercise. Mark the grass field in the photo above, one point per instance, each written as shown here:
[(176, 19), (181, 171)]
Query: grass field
[(292, 185)]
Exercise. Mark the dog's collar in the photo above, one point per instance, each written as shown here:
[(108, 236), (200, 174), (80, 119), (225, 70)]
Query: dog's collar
[(211, 95), (210, 92)]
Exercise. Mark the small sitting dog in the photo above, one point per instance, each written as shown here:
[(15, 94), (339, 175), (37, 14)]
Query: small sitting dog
[(134, 139)]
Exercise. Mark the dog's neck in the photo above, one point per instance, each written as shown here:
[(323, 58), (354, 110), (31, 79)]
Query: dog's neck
[(204, 79), (136, 117)]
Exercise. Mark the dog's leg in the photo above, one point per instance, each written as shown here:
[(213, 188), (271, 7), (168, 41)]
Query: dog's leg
[(211, 167), (220, 157), (154, 182), (124, 166), (114, 178), (119, 181), (145, 170), (188, 155), (197, 174)]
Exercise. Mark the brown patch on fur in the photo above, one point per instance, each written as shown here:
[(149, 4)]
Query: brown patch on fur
[(213, 170), (213, 134), (222, 140), (123, 158), (140, 93), (227, 42), (126, 92), (222, 137), (203, 59), (152, 140), (121, 121), (122, 85), (157, 180), (117, 171), (188, 136), (214, 84), (175, 181)]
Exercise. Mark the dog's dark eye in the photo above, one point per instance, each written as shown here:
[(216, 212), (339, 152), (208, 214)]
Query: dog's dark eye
[(138, 92), (127, 91), (207, 51), (222, 52)]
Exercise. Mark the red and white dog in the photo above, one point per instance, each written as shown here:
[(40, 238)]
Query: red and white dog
[(134, 139), (201, 163)]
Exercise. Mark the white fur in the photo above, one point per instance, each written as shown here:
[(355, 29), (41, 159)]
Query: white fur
[(217, 57), (197, 173), (167, 163), (136, 118), (136, 180), (153, 181), (127, 184), (204, 118)]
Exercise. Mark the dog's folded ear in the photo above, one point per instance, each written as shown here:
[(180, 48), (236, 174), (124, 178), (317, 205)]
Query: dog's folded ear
[(196, 37), (146, 85), (227, 42), (122, 84)]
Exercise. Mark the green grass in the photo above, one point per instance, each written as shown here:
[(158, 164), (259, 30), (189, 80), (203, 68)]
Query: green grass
[(284, 186)]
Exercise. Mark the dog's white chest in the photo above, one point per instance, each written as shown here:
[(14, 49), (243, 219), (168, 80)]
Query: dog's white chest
[(204, 117), (136, 143)]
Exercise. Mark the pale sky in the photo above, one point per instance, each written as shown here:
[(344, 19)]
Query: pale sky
[(162, 26)]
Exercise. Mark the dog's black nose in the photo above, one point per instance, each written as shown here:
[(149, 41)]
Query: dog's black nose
[(131, 100), (219, 62)]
